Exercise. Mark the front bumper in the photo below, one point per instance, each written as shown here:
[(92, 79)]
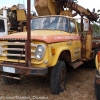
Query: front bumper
[(21, 69)]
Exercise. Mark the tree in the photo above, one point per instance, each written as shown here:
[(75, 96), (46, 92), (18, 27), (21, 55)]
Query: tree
[(96, 28), (98, 12)]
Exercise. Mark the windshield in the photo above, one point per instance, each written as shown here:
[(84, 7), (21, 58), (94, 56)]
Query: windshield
[(52, 23)]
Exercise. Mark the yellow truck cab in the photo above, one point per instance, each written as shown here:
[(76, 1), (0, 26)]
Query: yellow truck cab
[(55, 44), (54, 41)]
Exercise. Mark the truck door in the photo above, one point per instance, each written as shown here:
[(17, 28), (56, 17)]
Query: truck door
[(76, 43)]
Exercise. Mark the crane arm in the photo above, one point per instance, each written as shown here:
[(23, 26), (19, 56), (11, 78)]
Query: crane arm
[(82, 11), (55, 7)]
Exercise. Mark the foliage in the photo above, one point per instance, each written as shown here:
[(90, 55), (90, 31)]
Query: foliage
[(79, 27), (96, 28), (98, 12)]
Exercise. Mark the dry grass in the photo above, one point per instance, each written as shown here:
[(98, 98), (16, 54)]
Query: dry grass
[(79, 86)]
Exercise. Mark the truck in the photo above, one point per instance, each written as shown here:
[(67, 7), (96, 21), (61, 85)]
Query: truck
[(97, 74), (15, 22), (54, 45), (3, 24)]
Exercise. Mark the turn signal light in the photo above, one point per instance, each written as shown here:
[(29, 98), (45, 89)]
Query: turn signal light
[(53, 51)]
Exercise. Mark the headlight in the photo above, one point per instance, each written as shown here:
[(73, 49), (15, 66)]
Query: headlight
[(1, 50), (40, 51)]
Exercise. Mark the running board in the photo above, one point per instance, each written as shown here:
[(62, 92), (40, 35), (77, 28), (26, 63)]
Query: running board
[(76, 64), (17, 78)]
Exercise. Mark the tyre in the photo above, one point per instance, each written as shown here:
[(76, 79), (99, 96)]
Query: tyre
[(92, 61), (97, 90), (58, 78), (10, 81)]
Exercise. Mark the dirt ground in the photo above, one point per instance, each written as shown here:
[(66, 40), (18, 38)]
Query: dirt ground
[(79, 86)]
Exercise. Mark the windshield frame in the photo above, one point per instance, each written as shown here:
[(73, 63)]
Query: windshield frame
[(61, 25)]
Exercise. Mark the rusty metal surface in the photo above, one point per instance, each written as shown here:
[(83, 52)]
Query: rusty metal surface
[(24, 70), (98, 81), (17, 78), (76, 7), (28, 47), (26, 53), (96, 42), (82, 11), (98, 78)]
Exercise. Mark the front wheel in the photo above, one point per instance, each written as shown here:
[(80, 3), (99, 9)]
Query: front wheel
[(97, 88), (58, 78)]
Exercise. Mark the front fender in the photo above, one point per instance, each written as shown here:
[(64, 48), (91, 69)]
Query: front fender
[(96, 62), (58, 49)]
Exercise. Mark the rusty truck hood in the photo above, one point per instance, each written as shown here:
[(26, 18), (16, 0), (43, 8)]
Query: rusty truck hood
[(48, 36)]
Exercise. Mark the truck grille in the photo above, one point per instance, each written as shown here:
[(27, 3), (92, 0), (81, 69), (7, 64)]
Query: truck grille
[(15, 49)]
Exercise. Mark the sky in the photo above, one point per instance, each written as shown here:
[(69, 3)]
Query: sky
[(90, 4)]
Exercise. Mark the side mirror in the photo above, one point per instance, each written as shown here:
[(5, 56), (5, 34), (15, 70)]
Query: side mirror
[(86, 24)]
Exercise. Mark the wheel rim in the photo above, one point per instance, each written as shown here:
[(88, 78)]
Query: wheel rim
[(62, 78)]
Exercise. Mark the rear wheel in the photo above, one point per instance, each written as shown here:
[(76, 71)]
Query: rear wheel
[(10, 81), (97, 88), (58, 78)]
